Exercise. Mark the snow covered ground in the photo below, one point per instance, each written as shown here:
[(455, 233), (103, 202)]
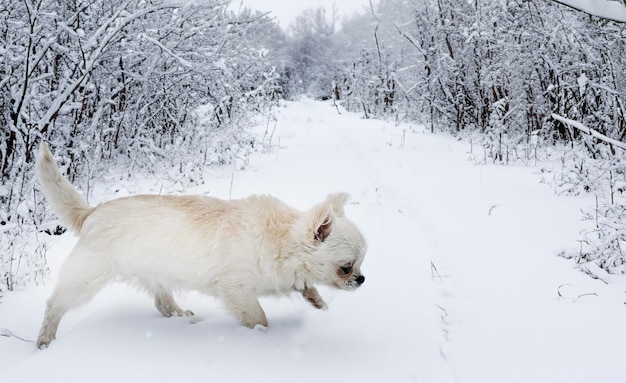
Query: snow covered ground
[(463, 282)]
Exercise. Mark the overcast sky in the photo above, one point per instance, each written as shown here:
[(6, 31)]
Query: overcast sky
[(287, 10)]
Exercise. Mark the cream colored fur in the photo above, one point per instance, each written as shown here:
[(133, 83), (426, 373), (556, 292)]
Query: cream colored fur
[(235, 250)]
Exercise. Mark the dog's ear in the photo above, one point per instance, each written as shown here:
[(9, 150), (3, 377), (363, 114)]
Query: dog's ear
[(323, 229), (321, 218), (337, 201), (321, 221)]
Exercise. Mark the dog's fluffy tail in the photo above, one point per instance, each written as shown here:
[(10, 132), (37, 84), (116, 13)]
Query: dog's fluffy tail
[(65, 201)]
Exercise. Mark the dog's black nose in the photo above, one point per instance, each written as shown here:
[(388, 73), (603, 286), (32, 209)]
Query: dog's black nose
[(360, 279)]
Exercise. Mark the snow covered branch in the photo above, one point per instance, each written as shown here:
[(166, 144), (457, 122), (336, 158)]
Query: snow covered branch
[(606, 9), (594, 133), (181, 60), (96, 46)]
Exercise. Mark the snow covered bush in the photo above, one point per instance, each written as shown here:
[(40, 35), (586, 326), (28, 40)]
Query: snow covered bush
[(602, 247), (605, 245), (147, 85)]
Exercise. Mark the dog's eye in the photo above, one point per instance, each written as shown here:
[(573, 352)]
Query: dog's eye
[(347, 269)]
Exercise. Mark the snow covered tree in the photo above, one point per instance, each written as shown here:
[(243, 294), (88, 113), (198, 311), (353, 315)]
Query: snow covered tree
[(311, 64), (106, 83), (373, 78), (496, 69)]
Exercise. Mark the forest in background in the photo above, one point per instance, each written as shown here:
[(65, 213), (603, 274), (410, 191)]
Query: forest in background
[(170, 88)]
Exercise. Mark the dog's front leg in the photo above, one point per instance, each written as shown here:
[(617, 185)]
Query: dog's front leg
[(247, 309), (313, 297)]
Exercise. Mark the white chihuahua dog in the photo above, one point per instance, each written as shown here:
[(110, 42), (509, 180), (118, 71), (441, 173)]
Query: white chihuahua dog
[(235, 250)]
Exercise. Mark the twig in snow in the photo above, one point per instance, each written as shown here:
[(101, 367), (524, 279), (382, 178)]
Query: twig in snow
[(587, 294), (443, 355), (336, 106), (336, 96), (444, 312), (272, 134), (232, 178), (579, 295), (558, 291), (9, 334), (434, 272)]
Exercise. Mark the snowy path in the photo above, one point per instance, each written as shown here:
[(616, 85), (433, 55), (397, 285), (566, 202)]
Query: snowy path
[(463, 282)]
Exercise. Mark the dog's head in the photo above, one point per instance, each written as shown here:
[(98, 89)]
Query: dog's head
[(333, 245)]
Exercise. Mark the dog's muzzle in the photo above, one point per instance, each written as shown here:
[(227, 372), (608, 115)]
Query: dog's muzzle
[(355, 283), (359, 280)]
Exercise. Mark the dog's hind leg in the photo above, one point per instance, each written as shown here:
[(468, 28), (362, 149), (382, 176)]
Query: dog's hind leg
[(79, 280), (165, 303)]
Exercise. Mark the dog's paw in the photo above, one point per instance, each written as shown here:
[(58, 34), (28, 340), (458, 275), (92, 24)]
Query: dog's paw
[(313, 297), (254, 322), (167, 306), (318, 303), (43, 342)]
